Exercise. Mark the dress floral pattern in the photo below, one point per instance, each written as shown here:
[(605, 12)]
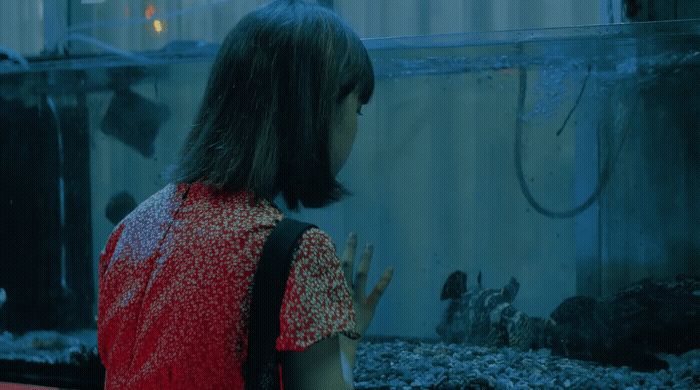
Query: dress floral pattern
[(175, 283)]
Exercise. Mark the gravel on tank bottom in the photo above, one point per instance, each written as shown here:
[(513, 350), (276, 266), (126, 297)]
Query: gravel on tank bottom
[(395, 363), (403, 364)]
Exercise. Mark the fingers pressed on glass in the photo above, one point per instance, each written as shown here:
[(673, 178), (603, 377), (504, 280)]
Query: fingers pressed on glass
[(348, 258), (361, 279), (380, 287), (347, 273), (350, 248)]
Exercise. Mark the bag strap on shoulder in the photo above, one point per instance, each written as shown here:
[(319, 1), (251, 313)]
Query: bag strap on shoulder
[(269, 284)]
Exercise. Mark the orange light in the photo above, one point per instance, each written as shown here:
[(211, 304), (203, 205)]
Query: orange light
[(158, 26), (150, 10)]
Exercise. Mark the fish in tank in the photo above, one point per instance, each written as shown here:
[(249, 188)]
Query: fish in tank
[(559, 166)]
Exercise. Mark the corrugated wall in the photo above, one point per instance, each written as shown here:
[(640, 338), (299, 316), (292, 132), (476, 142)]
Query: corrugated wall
[(382, 18), (23, 21), (22, 26)]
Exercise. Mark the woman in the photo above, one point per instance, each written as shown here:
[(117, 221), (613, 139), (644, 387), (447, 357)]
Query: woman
[(279, 115)]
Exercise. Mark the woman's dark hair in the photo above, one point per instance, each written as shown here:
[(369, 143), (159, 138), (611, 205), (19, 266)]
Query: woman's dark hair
[(265, 118)]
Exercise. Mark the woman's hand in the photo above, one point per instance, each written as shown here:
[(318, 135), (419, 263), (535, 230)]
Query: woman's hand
[(364, 305)]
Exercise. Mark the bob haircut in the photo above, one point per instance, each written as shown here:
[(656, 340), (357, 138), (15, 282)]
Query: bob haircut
[(265, 119)]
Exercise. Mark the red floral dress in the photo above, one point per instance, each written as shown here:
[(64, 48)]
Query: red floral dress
[(175, 282)]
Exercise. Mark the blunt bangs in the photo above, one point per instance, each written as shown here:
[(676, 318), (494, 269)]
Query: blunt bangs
[(356, 68)]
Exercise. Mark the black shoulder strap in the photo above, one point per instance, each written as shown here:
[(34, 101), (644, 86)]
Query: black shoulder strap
[(269, 283)]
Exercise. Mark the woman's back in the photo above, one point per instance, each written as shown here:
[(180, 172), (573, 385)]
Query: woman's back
[(278, 118), (175, 282)]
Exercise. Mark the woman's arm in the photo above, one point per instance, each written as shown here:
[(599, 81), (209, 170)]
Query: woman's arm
[(318, 367), (348, 350)]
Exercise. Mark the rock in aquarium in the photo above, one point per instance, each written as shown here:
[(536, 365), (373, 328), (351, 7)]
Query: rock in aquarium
[(627, 329)]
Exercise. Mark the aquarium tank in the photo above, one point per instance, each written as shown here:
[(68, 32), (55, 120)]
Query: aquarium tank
[(537, 191)]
